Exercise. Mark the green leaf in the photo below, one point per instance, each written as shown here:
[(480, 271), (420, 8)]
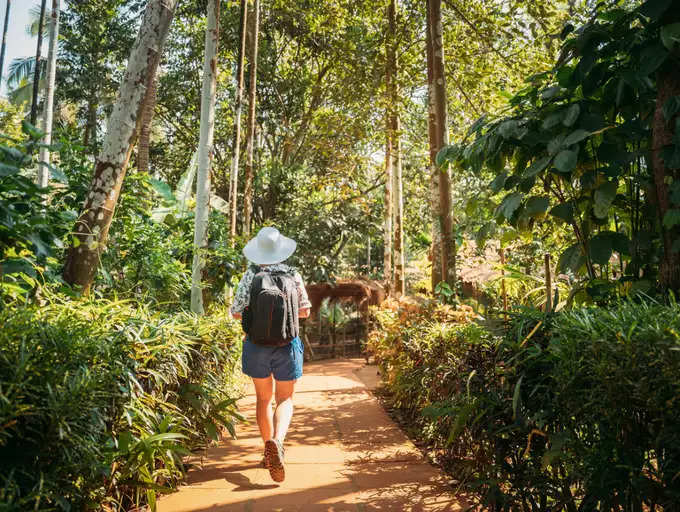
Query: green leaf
[(556, 143), (552, 120), (211, 429), (572, 115), (571, 259), (124, 441), (672, 218), (654, 8), (670, 35), (674, 190), (511, 182), (31, 130), (41, 249), (13, 153), (477, 125), (163, 189), (512, 128), (537, 167), (446, 154), (8, 170), (527, 184), (497, 184), (550, 92), (620, 242), (537, 205), (671, 107), (564, 211), (600, 249), (55, 173), (509, 205), (565, 161), (17, 265), (604, 196), (651, 59), (516, 398), (509, 236), (575, 136)]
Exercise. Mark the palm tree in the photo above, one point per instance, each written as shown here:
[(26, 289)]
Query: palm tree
[(20, 79), (21, 75)]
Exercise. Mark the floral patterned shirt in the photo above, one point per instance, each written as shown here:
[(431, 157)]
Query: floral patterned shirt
[(242, 298)]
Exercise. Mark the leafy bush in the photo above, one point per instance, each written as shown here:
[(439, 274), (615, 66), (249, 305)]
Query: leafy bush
[(573, 152), (574, 411), (101, 401), (29, 233)]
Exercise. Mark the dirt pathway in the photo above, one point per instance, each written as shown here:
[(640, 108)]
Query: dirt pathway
[(342, 453)]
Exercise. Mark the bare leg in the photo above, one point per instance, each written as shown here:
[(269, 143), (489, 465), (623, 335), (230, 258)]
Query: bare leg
[(284, 408), (264, 389)]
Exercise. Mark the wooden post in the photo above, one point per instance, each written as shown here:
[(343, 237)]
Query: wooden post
[(548, 285), (503, 290)]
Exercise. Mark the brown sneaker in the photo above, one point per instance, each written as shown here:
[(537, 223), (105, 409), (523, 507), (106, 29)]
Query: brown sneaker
[(273, 459)]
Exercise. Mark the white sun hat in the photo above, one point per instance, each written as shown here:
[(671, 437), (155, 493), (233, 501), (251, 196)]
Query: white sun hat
[(269, 247)]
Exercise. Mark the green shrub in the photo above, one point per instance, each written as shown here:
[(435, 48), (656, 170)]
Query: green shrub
[(574, 411), (100, 401)]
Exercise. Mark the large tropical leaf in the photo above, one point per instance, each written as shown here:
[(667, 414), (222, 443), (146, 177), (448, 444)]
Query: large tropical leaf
[(20, 70)]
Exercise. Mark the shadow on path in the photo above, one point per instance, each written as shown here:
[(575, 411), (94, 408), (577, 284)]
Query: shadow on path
[(343, 452)]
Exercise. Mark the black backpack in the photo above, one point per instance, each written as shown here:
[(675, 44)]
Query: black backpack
[(271, 317)]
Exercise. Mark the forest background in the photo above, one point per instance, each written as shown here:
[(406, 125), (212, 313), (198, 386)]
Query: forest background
[(407, 142)]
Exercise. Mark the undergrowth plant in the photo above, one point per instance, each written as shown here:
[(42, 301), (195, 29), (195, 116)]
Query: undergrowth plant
[(570, 411), (101, 401)]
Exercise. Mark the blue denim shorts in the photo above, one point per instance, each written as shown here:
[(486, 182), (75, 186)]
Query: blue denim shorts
[(285, 362)]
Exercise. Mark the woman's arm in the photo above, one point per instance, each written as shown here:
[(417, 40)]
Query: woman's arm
[(304, 313)]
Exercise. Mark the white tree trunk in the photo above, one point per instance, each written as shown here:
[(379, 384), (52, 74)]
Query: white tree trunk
[(92, 227), (48, 114), (205, 154)]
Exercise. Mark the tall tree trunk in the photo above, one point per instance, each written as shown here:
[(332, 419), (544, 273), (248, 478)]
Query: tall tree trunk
[(399, 275), (663, 134), (145, 131), (43, 171), (92, 228), (390, 59), (398, 204), (436, 248), (233, 189), (4, 40), (36, 72), (205, 154), (90, 138), (252, 94), (437, 93)]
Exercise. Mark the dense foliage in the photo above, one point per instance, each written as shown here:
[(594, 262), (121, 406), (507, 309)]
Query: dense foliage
[(573, 411), (575, 149), (102, 401), (575, 153)]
